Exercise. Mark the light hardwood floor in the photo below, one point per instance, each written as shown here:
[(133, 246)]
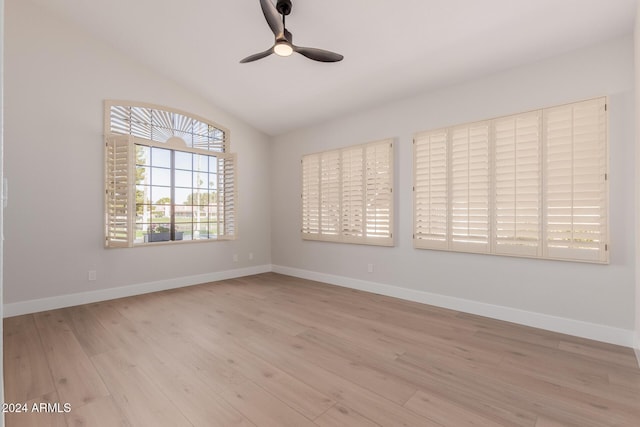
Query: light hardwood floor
[(272, 350)]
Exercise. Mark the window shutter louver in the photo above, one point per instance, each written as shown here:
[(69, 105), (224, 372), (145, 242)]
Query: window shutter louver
[(379, 192), (227, 196), (120, 190), (575, 184), (311, 196), (330, 195), (430, 196), (353, 197), (470, 188), (517, 225)]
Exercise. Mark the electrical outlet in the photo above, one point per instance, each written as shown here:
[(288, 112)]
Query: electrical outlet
[(93, 275), (250, 256), (235, 257), (369, 268)]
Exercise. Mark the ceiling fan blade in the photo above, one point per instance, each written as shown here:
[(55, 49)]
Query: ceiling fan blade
[(273, 18), (318, 54), (257, 56)]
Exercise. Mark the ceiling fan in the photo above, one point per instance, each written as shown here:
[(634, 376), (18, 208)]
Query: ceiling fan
[(283, 45)]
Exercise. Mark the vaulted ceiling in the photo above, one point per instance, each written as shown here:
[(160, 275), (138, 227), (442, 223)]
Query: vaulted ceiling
[(392, 48)]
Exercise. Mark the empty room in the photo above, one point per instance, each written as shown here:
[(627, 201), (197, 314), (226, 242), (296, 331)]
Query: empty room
[(320, 213)]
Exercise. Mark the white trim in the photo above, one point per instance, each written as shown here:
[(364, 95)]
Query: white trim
[(563, 325), (43, 304)]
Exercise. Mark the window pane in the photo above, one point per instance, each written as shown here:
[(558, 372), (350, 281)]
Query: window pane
[(183, 196), (183, 178), (161, 213), (213, 164), (143, 155), (143, 213), (141, 230), (183, 160), (213, 230), (201, 231), (200, 163), (143, 175), (184, 231), (161, 195), (160, 157), (200, 198), (200, 213), (183, 214), (200, 180), (142, 194), (160, 176)]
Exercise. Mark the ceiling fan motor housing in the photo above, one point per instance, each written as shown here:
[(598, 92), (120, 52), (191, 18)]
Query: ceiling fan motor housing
[(284, 7)]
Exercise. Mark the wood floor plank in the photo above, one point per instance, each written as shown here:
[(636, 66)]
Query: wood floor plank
[(42, 417), (293, 392), (273, 350), (380, 410), (262, 408), (91, 335), (136, 395), (26, 372), (76, 379), (340, 416), (442, 411), (548, 422), (102, 412)]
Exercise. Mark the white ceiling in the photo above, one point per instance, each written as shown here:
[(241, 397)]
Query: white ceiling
[(392, 48)]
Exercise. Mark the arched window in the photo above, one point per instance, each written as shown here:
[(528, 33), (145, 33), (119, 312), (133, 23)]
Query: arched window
[(168, 177)]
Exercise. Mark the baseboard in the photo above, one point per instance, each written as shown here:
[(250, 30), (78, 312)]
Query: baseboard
[(43, 304), (563, 325), (637, 350)]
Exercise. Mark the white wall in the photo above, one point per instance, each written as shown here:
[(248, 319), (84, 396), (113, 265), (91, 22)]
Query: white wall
[(600, 295), (56, 80), (1, 194), (637, 216)]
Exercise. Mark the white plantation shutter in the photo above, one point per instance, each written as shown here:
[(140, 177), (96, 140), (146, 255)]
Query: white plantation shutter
[(575, 170), (227, 197), (347, 194), (330, 194), (517, 217), (430, 195), (120, 202), (470, 188), (311, 196), (379, 192), (532, 184)]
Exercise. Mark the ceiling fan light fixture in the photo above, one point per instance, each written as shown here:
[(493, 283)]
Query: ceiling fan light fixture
[(283, 48), (275, 16)]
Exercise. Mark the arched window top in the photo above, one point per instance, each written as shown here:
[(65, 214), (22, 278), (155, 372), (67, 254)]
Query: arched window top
[(160, 124)]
